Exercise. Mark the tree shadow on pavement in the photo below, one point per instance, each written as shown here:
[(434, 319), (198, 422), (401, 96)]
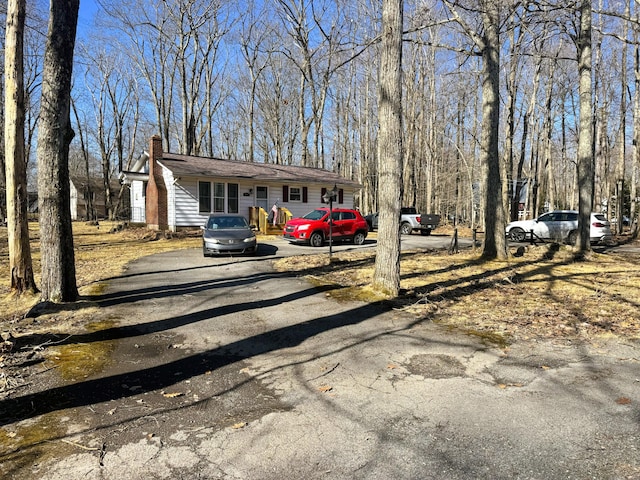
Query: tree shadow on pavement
[(162, 376)]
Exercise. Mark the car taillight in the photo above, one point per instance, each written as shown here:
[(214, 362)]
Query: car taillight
[(418, 219), (598, 224)]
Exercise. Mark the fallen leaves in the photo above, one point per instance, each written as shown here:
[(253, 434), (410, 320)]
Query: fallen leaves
[(531, 297), (507, 385), (172, 394), (623, 401)]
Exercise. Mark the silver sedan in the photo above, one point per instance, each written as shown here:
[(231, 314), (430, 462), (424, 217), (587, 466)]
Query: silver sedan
[(227, 233)]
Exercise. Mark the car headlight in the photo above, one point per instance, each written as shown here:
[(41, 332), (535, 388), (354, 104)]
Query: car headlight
[(212, 241), (302, 228), (249, 239)]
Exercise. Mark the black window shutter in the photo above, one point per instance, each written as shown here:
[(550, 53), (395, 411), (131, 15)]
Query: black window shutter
[(305, 194), (341, 196), (322, 192), (285, 193)]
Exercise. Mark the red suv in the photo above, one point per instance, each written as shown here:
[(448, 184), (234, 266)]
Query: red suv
[(313, 228)]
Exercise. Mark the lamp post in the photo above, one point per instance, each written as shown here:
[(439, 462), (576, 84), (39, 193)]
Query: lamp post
[(329, 197)]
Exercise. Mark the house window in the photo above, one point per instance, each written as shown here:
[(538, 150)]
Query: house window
[(204, 197), (218, 197), (295, 194), (86, 197), (232, 198)]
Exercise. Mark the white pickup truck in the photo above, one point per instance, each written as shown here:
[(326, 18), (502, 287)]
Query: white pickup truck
[(410, 220)]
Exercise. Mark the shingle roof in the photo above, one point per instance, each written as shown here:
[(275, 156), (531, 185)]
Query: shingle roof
[(214, 167)]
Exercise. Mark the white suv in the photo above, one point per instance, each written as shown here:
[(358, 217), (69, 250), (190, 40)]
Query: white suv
[(559, 226)]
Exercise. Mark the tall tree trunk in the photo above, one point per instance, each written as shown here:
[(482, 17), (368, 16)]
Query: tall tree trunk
[(622, 150), (585, 139), (510, 127), (547, 132), (386, 277), (495, 244), (54, 136), (3, 177), (635, 162), (20, 263)]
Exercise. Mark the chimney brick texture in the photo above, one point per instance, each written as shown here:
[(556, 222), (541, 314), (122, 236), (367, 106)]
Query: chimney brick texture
[(156, 205)]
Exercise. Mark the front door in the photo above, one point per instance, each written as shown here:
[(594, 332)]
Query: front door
[(337, 225), (262, 198)]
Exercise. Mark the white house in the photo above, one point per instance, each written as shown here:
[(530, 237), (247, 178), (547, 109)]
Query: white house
[(171, 191)]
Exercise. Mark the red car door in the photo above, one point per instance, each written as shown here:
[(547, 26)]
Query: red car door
[(336, 225)]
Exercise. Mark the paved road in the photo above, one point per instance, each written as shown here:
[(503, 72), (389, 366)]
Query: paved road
[(280, 247), (224, 369)]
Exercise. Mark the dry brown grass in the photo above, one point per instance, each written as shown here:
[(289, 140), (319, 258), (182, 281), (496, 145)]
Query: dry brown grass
[(542, 294), (101, 252)]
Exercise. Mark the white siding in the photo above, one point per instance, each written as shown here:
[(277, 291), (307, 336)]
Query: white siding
[(185, 199), (186, 204), (137, 197)]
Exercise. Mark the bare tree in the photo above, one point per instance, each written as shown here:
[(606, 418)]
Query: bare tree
[(622, 149), (488, 44), (54, 136), (175, 44), (255, 33), (386, 277), (635, 160), (20, 263), (585, 139), (34, 56), (87, 191), (495, 244), (3, 177)]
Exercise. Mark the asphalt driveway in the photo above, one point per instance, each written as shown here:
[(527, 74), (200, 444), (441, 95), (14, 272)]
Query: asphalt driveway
[(222, 368)]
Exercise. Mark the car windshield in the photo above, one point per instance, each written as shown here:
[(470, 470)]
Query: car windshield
[(315, 215), (215, 223)]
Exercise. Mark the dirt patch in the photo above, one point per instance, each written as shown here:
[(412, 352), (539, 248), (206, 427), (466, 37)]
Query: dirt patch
[(435, 366)]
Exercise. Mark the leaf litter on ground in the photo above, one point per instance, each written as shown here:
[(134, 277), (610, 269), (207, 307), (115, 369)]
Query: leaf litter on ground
[(544, 293)]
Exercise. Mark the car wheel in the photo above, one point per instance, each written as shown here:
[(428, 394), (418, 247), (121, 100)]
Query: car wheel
[(316, 239), (573, 236), (405, 229), (425, 231), (517, 234), (358, 238)]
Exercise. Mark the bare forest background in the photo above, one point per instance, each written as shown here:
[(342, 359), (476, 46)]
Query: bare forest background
[(295, 82)]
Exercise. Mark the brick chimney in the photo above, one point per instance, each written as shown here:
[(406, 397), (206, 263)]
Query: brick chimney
[(156, 204)]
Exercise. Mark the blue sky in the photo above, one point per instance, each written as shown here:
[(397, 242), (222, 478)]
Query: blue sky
[(88, 9)]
